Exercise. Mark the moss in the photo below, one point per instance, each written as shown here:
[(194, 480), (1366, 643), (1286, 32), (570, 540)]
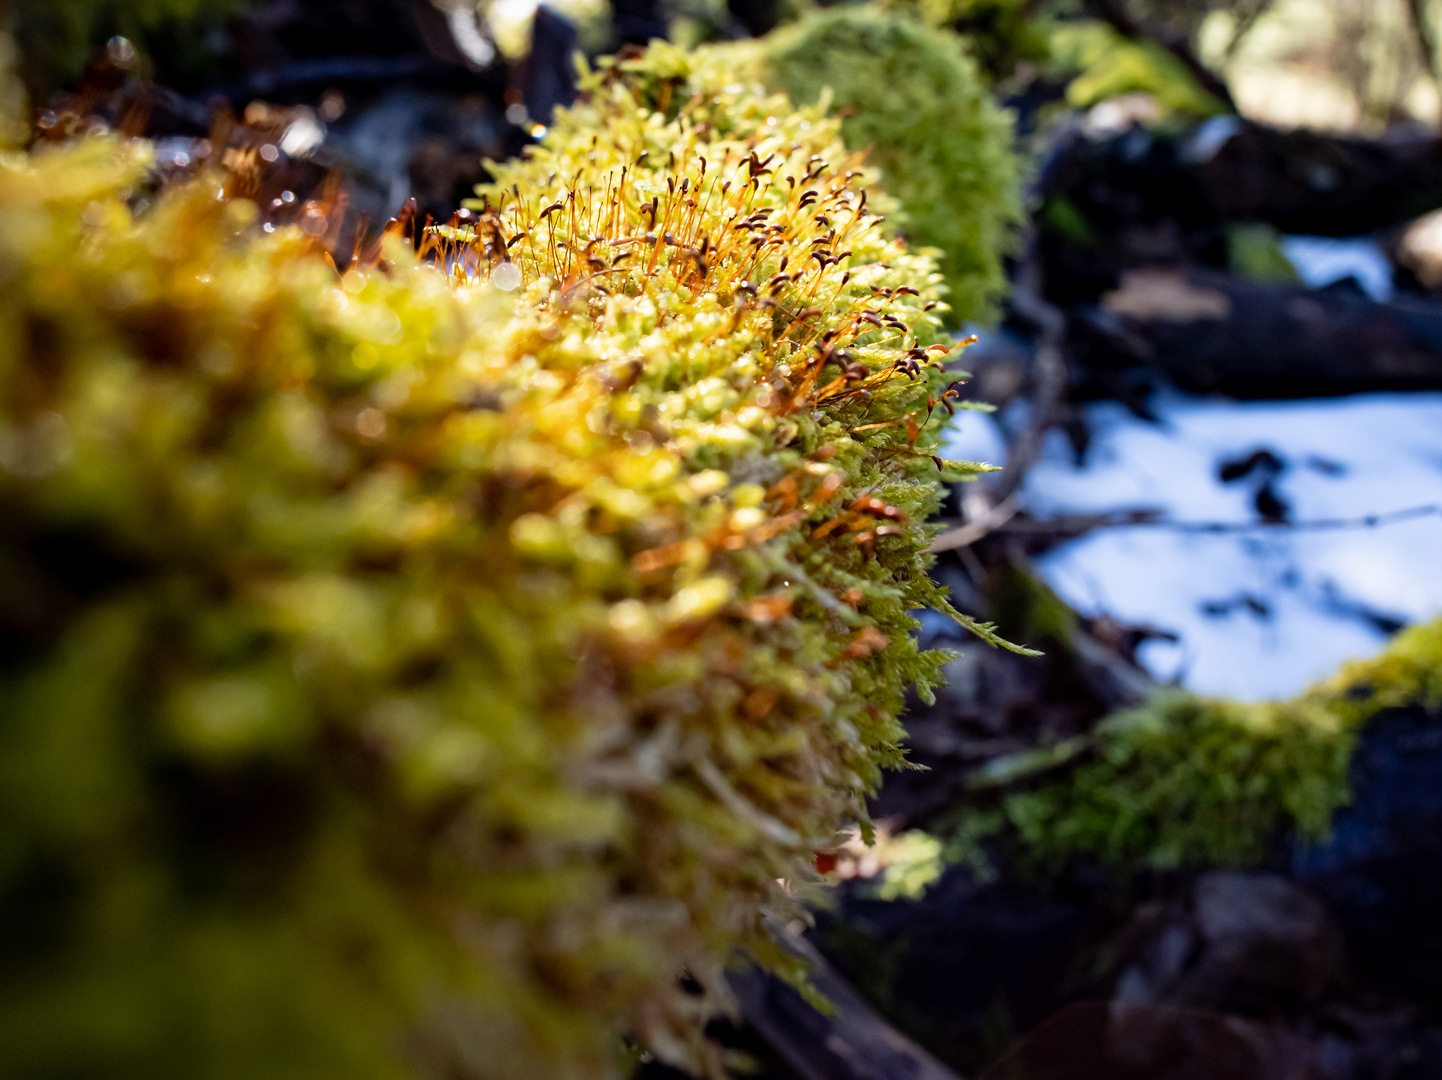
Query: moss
[(1181, 782), (410, 672), (1406, 673), (913, 99), (1254, 251), (1187, 781)]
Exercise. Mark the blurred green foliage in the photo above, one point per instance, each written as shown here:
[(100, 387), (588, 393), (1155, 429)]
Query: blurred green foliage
[(58, 37), (14, 101), (913, 99), (1002, 35), (1254, 251), (411, 672), (1102, 64), (1407, 672)]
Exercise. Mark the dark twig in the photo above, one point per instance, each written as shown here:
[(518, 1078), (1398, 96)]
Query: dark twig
[(854, 1043), (1081, 524)]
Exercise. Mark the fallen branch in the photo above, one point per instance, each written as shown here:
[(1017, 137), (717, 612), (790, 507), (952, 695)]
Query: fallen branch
[(854, 1043)]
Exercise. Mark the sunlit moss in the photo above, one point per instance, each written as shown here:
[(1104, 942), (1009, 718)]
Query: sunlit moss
[(412, 672), (1102, 64), (1191, 781), (913, 98), (1188, 781), (913, 101)]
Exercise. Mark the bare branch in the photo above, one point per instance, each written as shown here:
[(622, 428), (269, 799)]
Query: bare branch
[(1080, 524)]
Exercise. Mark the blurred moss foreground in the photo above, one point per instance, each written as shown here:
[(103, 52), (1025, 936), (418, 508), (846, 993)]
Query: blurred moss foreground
[(412, 672)]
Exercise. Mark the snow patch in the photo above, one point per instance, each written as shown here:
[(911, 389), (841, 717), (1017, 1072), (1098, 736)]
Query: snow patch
[(1259, 614)]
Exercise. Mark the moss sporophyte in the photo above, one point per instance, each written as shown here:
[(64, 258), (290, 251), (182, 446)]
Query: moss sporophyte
[(410, 671)]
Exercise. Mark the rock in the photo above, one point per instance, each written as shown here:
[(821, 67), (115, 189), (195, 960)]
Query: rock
[(1264, 932), (1382, 870), (963, 967)]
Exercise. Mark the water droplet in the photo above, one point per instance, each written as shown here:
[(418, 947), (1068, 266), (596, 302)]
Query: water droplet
[(506, 277), (121, 52)]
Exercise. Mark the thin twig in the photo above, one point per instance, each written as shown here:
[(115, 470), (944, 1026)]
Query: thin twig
[(1150, 518), (993, 520)]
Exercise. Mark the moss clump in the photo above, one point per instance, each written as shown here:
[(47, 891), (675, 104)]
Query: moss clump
[(1191, 781), (914, 101), (1180, 782), (410, 672), (1408, 672)]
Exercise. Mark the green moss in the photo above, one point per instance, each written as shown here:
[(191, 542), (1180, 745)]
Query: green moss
[(412, 672), (1190, 781), (1180, 782), (1187, 781), (913, 99), (1407, 672), (1102, 64), (1254, 251)]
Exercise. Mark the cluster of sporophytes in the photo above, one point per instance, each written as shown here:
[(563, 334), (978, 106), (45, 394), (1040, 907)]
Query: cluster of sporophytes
[(913, 100), (413, 671)]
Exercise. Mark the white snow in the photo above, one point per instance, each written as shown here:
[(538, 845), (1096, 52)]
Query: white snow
[(1321, 260), (1260, 614)]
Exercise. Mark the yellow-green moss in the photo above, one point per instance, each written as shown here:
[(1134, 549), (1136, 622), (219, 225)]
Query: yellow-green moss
[(1188, 781), (1192, 781), (912, 99), (405, 675)]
